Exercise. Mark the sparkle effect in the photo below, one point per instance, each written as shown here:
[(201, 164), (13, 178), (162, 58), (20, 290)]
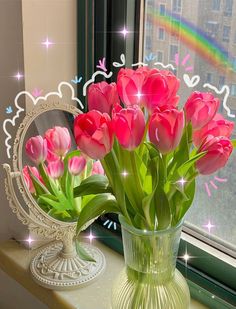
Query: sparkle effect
[(18, 76), (47, 43), (139, 95), (29, 240), (186, 257), (90, 236), (209, 226), (124, 32), (182, 182), (124, 174)]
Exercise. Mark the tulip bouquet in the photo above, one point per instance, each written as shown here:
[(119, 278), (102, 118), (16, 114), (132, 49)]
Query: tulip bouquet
[(52, 184), (151, 150)]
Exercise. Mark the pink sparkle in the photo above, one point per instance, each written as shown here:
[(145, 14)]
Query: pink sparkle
[(18, 76), (29, 240), (47, 43), (182, 181), (139, 95), (209, 226), (90, 236)]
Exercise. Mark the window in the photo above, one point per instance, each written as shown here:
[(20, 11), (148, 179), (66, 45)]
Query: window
[(161, 34), (226, 33), (209, 78), (228, 8), (173, 52), (159, 56), (233, 90), (162, 9), (221, 81), (176, 6), (212, 28), (216, 5), (148, 43)]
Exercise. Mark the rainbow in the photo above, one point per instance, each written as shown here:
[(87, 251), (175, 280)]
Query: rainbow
[(196, 39)]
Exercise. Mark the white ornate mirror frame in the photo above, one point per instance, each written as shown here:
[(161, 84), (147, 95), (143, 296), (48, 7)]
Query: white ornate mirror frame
[(56, 266)]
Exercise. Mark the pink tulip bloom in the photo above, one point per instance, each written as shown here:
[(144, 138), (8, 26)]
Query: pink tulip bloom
[(201, 108), (218, 150), (28, 179), (129, 127), (160, 88), (102, 97), (94, 134), (166, 129), (55, 169), (58, 141), (129, 85), (36, 149), (76, 165), (218, 126), (97, 168)]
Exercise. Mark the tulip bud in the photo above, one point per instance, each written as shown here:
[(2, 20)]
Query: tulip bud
[(76, 165), (201, 108), (27, 177), (129, 127), (58, 140), (55, 169), (94, 134), (102, 97), (97, 168), (160, 88), (166, 129), (36, 149), (218, 151), (218, 126)]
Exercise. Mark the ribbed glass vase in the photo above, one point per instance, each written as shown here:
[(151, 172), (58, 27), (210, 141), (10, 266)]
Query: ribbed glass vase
[(150, 279)]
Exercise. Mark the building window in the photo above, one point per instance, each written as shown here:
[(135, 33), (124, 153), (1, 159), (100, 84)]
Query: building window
[(173, 52), (162, 9), (148, 26), (226, 34), (148, 43), (176, 4), (233, 90), (221, 81), (161, 34), (228, 7), (209, 77), (212, 28), (159, 56), (215, 5)]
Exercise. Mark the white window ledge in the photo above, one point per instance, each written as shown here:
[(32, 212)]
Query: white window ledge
[(15, 260)]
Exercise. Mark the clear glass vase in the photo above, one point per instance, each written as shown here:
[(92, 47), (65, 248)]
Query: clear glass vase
[(150, 279)]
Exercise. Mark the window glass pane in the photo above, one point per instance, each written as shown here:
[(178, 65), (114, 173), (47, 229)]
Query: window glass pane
[(200, 42)]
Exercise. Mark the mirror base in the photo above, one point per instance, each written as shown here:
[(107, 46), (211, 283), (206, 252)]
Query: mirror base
[(53, 271)]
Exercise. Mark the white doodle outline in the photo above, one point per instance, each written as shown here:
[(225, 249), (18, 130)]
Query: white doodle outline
[(35, 101), (189, 81), (165, 66), (92, 79), (117, 64), (139, 63), (227, 92)]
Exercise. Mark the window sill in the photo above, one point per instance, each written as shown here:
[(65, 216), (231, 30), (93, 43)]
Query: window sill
[(15, 260)]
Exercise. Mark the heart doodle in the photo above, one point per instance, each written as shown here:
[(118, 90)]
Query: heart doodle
[(191, 82)]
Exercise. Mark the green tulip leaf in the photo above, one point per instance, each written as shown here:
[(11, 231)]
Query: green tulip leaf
[(82, 253), (94, 184), (233, 141), (100, 204), (184, 168)]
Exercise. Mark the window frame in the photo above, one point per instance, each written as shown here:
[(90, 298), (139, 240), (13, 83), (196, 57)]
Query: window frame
[(215, 276)]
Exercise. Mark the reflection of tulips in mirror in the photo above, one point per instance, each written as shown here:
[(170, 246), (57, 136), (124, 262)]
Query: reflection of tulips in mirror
[(59, 171)]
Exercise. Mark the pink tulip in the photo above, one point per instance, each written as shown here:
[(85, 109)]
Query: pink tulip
[(76, 165), (218, 126), (97, 168), (166, 129), (201, 108), (160, 88), (129, 127), (218, 150), (102, 97), (129, 85), (94, 134), (55, 169), (58, 140), (28, 179), (36, 149)]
